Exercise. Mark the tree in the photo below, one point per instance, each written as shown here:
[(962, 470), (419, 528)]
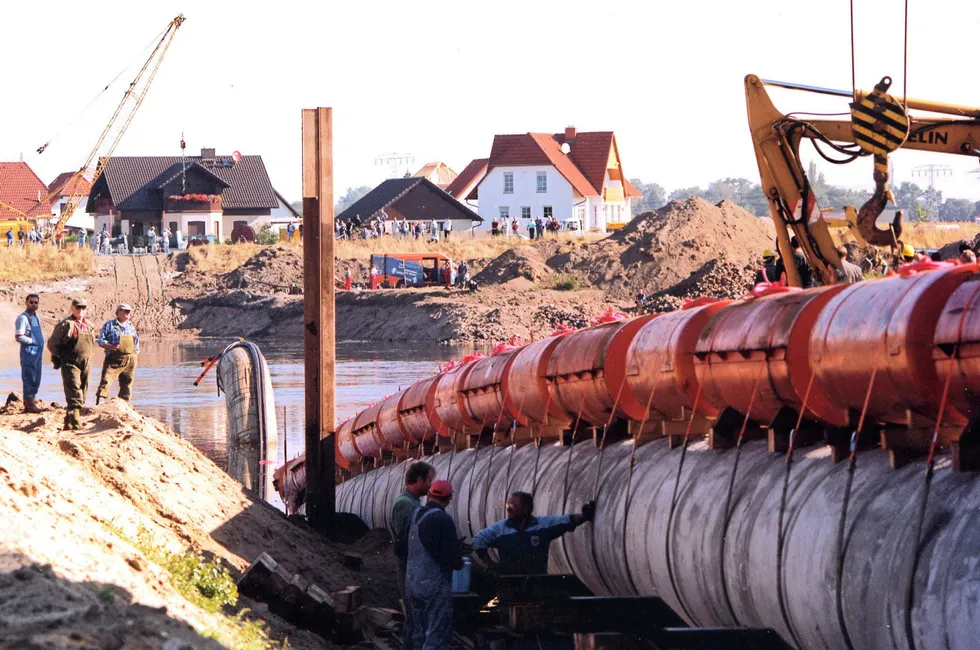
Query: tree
[(654, 196), (350, 198), (956, 210), (932, 199), (741, 191), (686, 193), (907, 196)]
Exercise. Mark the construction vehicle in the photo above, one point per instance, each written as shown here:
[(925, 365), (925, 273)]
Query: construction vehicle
[(879, 125), (77, 186)]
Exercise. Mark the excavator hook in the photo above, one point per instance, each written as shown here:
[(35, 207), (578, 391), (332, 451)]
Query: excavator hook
[(880, 125)]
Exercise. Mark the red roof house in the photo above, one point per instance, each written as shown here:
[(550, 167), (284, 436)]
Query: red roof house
[(21, 189)]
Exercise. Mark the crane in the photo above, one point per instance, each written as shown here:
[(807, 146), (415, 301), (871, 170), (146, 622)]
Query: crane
[(113, 132)]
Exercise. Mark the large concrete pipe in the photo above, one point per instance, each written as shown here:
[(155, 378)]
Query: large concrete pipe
[(243, 375), (660, 531), (957, 347)]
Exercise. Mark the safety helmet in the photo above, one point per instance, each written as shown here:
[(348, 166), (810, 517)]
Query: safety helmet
[(768, 253), (441, 489), (907, 250)]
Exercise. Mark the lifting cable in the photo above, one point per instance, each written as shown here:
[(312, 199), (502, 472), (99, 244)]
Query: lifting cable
[(841, 526), (780, 536), (568, 466), (673, 506), (763, 365), (534, 485), (930, 470), (469, 493), (510, 460)]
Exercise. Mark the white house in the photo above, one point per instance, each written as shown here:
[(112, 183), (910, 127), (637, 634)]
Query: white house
[(566, 175)]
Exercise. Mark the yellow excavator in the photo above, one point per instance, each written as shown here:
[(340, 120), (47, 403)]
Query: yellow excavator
[(879, 125), (77, 186)]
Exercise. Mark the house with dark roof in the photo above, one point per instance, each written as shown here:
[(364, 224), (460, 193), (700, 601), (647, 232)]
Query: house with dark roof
[(411, 199), (202, 196), (22, 190), (568, 175)]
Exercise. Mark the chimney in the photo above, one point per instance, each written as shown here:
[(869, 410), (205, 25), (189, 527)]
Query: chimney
[(570, 133), (207, 153)]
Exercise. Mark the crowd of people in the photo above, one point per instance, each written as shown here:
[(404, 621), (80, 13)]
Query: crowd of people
[(427, 550), (101, 242), (356, 228), (536, 228), (72, 345)]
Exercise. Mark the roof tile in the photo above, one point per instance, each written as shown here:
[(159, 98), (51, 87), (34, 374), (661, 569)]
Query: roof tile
[(472, 172), (21, 188)]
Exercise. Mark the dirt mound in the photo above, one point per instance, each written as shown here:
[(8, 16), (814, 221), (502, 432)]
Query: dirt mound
[(718, 278), (277, 269), (524, 262)]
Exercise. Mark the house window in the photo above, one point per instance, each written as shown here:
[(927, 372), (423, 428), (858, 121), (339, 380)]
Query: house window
[(525, 212), (504, 212), (542, 182), (547, 212), (508, 182)]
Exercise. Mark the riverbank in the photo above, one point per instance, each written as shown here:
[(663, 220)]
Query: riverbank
[(124, 535)]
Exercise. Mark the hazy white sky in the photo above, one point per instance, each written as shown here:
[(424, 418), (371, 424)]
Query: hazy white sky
[(438, 80)]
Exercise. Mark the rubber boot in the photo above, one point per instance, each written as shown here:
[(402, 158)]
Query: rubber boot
[(76, 415), (30, 406), (67, 426), (72, 422)]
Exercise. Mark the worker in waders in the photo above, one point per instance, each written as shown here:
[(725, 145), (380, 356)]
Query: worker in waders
[(71, 345), (121, 343), (768, 272), (522, 540), (418, 480), (433, 555), (27, 332)]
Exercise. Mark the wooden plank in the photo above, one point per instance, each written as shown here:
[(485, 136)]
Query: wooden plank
[(318, 315)]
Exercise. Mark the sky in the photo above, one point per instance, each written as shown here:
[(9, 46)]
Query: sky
[(438, 80)]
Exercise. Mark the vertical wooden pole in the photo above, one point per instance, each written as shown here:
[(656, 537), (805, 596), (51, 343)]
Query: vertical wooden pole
[(318, 315)]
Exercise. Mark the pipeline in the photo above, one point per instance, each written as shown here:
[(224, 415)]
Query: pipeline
[(830, 555), (243, 375)]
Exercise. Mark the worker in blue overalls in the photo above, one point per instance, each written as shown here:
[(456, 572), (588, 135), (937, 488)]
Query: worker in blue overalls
[(522, 540), (27, 332), (433, 555)]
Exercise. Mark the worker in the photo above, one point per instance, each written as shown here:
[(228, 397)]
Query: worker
[(433, 555), (27, 332), (803, 268), (418, 480), (121, 343), (71, 346), (968, 257), (769, 271), (447, 274), (522, 540), (849, 272), (348, 280), (908, 254)]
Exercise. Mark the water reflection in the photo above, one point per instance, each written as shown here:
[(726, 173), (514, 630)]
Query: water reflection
[(164, 386)]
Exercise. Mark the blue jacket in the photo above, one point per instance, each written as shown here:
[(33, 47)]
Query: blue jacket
[(523, 552)]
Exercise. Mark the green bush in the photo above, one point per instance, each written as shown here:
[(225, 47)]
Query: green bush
[(566, 283), (266, 236)]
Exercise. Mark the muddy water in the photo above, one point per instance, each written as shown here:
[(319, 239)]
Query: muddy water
[(164, 386)]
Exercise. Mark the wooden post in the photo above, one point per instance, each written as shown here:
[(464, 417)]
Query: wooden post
[(318, 315)]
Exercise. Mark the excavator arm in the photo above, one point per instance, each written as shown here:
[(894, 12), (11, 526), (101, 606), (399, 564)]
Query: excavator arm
[(776, 138)]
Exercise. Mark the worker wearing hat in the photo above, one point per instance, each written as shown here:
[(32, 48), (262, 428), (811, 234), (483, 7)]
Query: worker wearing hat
[(433, 554), (522, 540), (121, 343), (71, 345), (908, 253), (768, 272)]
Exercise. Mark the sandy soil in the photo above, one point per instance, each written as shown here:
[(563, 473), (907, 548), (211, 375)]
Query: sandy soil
[(73, 504)]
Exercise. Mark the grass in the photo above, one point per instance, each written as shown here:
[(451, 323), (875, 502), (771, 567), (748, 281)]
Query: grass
[(38, 263), (458, 247), (205, 583), (222, 258), (567, 283), (931, 235)]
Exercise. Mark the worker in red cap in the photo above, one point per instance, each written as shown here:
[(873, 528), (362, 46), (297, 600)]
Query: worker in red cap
[(433, 555)]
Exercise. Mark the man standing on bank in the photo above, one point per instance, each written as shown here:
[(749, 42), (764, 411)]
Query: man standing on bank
[(71, 345), (121, 343), (27, 332), (418, 480), (523, 539), (433, 555)]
